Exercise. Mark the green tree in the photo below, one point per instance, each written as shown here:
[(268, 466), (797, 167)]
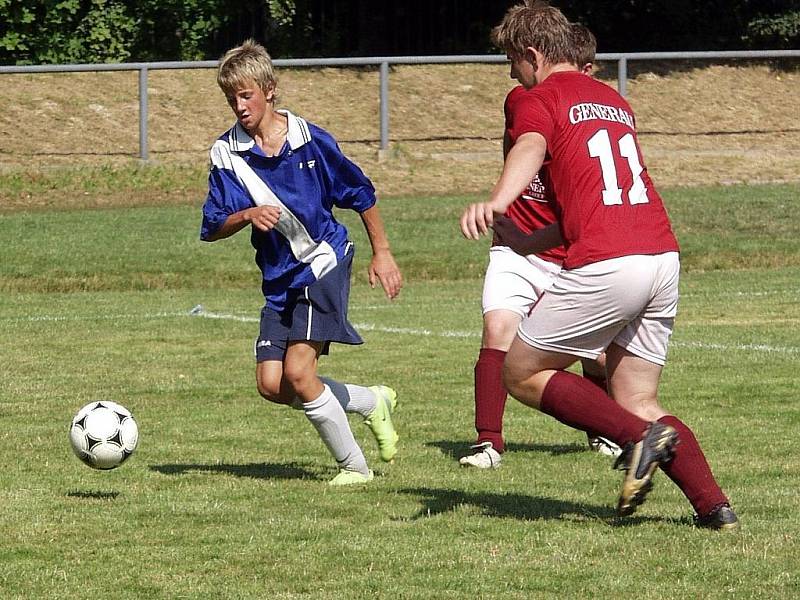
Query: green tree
[(775, 31), (177, 29), (102, 31), (65, 31)]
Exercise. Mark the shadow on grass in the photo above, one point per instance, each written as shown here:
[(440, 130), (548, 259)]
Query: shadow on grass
[(254, 470), (456, 450), (92, 494), (517, 506)]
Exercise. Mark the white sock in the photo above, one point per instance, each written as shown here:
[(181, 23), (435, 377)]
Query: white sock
[(328, 418), (353, 398), (362, 399)]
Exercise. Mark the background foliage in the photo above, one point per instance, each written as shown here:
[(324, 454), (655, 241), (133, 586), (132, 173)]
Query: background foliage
[(93, 31)]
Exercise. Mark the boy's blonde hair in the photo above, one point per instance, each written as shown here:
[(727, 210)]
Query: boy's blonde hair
[(585, 45), (539, 26), (241, 66)]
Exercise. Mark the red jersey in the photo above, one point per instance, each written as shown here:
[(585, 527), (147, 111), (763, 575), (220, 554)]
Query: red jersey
[(532, 210), (605, 201)]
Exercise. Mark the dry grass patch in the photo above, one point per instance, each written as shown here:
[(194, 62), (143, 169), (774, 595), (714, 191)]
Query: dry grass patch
[(715, 124)]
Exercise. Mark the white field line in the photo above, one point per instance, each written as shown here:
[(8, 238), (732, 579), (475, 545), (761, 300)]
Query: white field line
[(68, 318), (741, 294), (198, 311), (475, 334), (727, 348)]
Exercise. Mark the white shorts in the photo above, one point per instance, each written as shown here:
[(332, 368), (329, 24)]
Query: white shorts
[(631, 301), (515, 282)]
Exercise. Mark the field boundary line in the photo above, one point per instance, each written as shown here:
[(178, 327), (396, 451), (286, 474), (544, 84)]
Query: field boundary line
[(199, 311)]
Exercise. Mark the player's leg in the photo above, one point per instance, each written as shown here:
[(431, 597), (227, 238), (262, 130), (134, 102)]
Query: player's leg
[(511, 286), (576, 402), (634, 382), (575, 319), (634, 363), (322, 314), (354, 398), (375, 404), (537, 378), (271, 384), (579, 316), (324, 411), (499, 329), (269, 350), (595, 371)]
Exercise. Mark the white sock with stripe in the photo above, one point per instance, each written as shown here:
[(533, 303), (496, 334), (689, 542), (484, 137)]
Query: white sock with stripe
[(353, 398), (328, 418), (362, 399)]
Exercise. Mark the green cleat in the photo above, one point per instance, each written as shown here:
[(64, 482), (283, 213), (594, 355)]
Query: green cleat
[(346, 477), (380, 421)]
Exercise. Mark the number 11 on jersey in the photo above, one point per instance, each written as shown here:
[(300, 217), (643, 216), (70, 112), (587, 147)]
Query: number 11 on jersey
[(600, 147)]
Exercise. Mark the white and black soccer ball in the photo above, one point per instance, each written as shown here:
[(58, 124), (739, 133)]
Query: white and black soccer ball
[(103, 434)]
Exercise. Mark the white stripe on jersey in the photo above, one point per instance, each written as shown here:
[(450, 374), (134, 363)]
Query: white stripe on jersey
[(319, 255)]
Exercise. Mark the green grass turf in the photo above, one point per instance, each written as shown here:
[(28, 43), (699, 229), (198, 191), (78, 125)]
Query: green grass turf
[(226, 495)]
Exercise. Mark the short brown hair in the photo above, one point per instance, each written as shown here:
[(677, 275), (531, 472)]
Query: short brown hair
[(536, 25), (247, 63), (585, 45)]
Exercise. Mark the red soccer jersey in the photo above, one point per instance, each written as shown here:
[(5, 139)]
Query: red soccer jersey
[(605, 201), (532, 210)]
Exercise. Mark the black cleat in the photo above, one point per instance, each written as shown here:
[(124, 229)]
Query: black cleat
[(639, 461), (721, 518)]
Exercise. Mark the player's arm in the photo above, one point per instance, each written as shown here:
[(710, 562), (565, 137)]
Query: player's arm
[(522, 164), (507, 143), (228, 207), (263, 218), (382, 267), (520, 242)]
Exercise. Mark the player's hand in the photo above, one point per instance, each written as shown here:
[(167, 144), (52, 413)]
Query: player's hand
[(263, 218), (383, 268), (476, 220)]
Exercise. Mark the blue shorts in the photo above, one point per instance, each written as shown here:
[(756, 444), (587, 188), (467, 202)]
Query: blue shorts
[(317, 313)]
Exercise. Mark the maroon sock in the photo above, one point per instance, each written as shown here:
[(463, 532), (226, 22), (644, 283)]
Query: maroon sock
[(581, 404), (601, 382), (690, 471), (490, 397)]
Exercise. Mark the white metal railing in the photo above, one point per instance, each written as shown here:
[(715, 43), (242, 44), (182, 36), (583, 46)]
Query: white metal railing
[(383, 63)]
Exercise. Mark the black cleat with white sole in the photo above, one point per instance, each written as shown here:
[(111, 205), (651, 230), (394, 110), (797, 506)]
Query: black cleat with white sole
[(639, 461), (721, 518)]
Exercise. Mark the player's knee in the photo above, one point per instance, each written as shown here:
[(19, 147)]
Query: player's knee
[(499, 329), (514, 379), (271, 391), (298, 378), (524, 383), (650, 412), (643, 406)]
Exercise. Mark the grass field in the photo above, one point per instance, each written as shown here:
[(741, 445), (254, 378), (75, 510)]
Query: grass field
[(226, 496)]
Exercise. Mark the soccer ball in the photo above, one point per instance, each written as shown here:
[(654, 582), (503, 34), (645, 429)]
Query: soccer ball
[(103, 434)]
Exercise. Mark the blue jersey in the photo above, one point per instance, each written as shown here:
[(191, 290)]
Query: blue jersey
[(307, 178)]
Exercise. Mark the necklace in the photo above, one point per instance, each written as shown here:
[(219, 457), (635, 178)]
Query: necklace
[(271, 138), (280, 132)]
